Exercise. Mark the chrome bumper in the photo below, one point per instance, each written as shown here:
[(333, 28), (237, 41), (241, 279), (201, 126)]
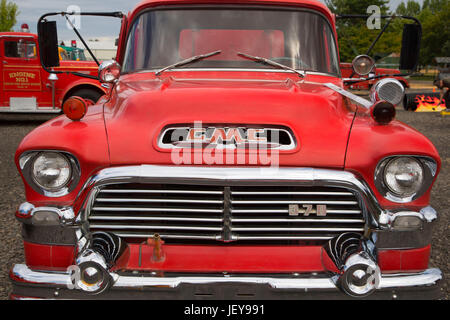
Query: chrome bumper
[(58, 282)]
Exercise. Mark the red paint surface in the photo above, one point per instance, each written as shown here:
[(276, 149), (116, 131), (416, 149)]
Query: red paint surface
[(404, 260), (257, 259), (47, 257)]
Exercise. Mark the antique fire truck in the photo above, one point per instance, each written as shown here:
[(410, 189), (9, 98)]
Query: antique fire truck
[(26, 87), (228, 161)]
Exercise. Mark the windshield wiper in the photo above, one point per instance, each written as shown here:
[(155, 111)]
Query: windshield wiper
[(270, 62), (188, 60)]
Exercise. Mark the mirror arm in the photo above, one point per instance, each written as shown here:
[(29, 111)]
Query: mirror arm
[(379, 35), (81, 38)]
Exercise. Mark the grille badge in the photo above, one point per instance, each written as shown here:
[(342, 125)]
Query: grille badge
[(307, 209), (227, 138)]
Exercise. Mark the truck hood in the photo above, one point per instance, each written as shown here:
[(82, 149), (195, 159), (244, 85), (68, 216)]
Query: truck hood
[(142, 108)]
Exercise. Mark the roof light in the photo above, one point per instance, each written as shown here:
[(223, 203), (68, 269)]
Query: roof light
[(25, 28)]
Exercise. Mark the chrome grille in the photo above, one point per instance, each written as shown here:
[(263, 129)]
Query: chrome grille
[(197, 213)]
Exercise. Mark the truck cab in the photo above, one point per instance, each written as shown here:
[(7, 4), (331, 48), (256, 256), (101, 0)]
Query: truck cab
[(26, 86)]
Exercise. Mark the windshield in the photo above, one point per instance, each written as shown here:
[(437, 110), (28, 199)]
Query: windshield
[(301, 40)]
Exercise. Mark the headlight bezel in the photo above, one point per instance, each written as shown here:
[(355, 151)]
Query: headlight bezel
[(27, 160), (429, 167)]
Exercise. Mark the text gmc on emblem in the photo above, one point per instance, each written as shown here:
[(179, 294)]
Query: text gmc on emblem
[(226, 137)]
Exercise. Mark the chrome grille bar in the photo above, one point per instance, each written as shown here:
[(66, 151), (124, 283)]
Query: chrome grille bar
[(187, 209)]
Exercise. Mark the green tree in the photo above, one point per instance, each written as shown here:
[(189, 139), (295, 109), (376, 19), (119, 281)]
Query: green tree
[(8, 15), (435, 17), (411, 8), (354, 37), (436, 5)]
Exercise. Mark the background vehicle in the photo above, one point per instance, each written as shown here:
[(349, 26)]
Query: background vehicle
[(26, 86), (74, 54), (347, 72), (228, 160)]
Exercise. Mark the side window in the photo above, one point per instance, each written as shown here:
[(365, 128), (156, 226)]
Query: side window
[(20, 49)]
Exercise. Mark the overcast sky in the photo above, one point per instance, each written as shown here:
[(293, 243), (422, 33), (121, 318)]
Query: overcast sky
[(31, 10)]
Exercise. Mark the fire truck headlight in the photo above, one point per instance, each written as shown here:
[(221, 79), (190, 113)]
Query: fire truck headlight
[(404, 178), (363, 65), (50, 173)]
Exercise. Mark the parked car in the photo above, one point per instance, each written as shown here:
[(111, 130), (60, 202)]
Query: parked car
[(26, 86), (228, 160)]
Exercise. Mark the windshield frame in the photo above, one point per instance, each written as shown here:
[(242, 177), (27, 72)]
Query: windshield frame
[(266, 7)]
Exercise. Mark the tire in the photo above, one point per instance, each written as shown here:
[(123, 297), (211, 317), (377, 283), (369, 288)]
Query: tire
[(87, 94)]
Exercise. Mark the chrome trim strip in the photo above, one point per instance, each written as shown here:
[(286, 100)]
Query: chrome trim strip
[(233, 175), (159, 191), (301, 229), (287, 211), (166, 236), (294, 202), (426, 278), (39, 110), (121, 218), (146, 227), (365, 103), (293, 193), (157, 209), (157, 200), (299, 220), (240, 237)]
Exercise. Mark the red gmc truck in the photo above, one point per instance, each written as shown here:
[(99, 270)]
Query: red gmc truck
[(228, 161), (27, 88)]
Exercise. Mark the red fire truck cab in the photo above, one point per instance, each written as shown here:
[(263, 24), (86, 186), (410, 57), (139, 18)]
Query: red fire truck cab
[(27, 88)]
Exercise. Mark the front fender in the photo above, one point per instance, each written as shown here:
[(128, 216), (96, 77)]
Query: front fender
[(370, 142), (85, 139)]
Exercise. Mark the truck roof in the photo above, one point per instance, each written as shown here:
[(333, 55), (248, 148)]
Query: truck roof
[(312, 4), (18, 34)]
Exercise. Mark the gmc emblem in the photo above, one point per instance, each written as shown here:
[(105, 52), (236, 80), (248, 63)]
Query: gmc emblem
[(307, 209), (226, 137)]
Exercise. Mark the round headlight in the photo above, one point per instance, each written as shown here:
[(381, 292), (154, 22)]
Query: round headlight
[(51, 171), (363, 65), (404, 176)]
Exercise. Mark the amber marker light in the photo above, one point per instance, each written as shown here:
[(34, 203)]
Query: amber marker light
[(75, 108), (383, 112)]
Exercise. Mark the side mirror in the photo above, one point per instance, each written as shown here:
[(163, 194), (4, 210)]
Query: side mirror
[(48, 44), (409, 58)]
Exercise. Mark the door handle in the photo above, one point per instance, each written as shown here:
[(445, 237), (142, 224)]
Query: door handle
[(5, 62)]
